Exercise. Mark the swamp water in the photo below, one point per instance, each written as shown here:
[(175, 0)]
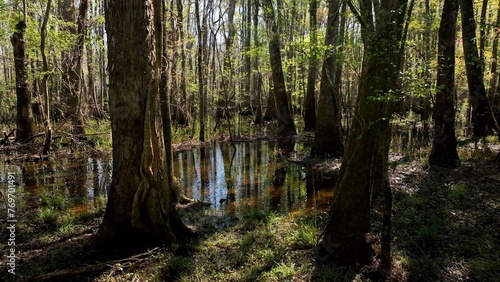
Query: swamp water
[(246, 175)]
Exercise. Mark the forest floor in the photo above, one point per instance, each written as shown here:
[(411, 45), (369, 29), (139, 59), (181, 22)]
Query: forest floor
[(445, 228)]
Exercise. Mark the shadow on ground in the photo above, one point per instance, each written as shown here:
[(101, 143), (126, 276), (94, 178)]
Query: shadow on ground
[(446, 222)]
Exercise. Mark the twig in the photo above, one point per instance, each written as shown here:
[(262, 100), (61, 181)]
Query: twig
[(100, 266), (6, 138)]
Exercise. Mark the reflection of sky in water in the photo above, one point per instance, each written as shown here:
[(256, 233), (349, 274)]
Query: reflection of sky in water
[(98, 182), (227, 177)]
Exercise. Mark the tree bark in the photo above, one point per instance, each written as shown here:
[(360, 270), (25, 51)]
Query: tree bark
[(141, 199), (45, 87), (473, 66), (73, 98), (493, 91), (257, 76), (444, 143), (364, 166), (482, 32), (81, 108), (247, 23), (310, 99), (286, 126), (202, 34), (25, 123), (183, 118), (223, 104), (425, 101), (328, 133)]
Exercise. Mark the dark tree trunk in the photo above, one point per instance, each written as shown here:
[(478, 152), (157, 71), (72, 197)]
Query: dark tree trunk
[(477, 93), (247, 22), (364, 166), (444, 143), (328, 133), (183, 118), (482, 32), (286, 126), (141, 200), (337, 84), (493, 91), (25, 123), (201, 59), (45, 87), (425, 101), (310, 99), (270, 113)]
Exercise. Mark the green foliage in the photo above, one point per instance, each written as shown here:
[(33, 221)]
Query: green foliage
[(305, 237), (282, 272), (458, 191), (53, 200), (49, 215), (100, 133), (384, 97)]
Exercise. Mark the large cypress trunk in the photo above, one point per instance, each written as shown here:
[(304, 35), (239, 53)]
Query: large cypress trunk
[(364, 166), (141, 199)]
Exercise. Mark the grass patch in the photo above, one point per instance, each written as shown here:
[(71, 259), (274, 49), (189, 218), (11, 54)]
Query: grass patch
[(256, 246), (282, 272), (49, 216), (305, 237), (100, 133)]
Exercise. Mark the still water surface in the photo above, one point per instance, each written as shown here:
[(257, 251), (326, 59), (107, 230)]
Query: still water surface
[(228, 177)]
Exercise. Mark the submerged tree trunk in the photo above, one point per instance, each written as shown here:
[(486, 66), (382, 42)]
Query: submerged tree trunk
[(286, 126), (141, 199), (473, 66), (364, 166), (328, 133), (444, 143), (25, 123)]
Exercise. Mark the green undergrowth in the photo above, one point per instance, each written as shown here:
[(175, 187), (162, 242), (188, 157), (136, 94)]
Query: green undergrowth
[(250, 246), (100, 133)]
